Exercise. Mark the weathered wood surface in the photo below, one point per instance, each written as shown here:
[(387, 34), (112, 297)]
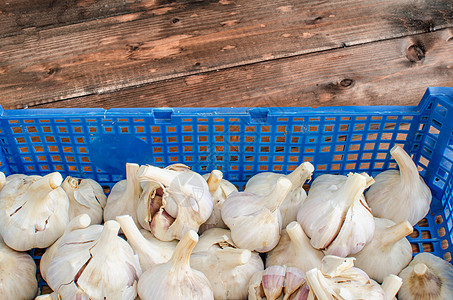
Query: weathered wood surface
[(383, 73), (149, 52)]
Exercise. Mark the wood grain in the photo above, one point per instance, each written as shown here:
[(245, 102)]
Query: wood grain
[(381, 73), (44, 65)]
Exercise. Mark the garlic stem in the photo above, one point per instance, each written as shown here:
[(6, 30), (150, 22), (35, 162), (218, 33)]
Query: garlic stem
[(79, 222), (391, 285), (109, 233), (314, 277), (181, 256), (134, 237), (301, 174), (273, 200), (132, 184), (353, 188), (297, 235), (408, 170), (214, 180), (420, 269), (74, 183), (394, 233), (231, 257), (163, 176), (43, 186)]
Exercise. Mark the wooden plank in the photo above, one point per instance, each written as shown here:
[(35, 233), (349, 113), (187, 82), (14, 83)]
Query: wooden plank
[(392, 72), (101, 56)]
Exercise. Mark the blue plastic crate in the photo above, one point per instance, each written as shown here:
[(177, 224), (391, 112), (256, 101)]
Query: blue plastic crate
[(96, 143)]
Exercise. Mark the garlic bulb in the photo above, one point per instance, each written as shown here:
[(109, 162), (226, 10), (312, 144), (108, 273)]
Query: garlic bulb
[(255, 221), (227, 268), (176, 279), (33, 211), (123, 198), (17, 274), (52, 296), (79, 222), (278, 282), (427, 277), (86, 196), (294, 250), (402, 194), (263, 183), (179, 202), (388, 252), (337, 278), (219, 189), (2, 180), (150, 250), (335, 216), (94, 263)]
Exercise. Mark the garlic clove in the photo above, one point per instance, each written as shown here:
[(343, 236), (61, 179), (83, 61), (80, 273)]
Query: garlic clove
[(388, 252), (426, 277), (255, 289), (255, 221), (219, 189), (176, 279), (273, 279), (79, 222), (185, 203), (263, 183), (324, 211), (150, 250), (294, 279), (294, 250), (33, 211), (401, 194), (301, 293), (85, 196), (124, 196)]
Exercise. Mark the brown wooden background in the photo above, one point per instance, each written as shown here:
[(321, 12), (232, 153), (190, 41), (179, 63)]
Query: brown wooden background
[(126, 53)]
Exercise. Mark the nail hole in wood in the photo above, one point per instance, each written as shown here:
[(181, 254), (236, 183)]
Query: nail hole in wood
[(415, 53), (347, 83)]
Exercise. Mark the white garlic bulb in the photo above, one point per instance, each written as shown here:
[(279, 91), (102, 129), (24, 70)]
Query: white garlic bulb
[(17, 274), (388, 252), (94, 263), (219, 189), (278, 282), (294, 250), (427, 277), (176, 279), (2, 180), (79, 222), (124, 196), (179, 202), (255, 221), (334, 215), (86, 196), (337, 278), (228, 268), (402, 194), (33, 211), (150, 250), (263, 183)]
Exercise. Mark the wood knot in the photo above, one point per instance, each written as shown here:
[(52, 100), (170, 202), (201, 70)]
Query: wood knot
[(347, 83), (415, 53), (175, 20)]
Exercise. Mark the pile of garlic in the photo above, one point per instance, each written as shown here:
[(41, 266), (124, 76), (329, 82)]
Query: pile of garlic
[(339, 241)]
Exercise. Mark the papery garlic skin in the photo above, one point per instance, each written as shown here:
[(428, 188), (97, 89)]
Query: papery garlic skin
[(149, 249), (219, 189), (124, 196), (255, 221), (178, 203), (228, 268), (323, 213), (388, 252), (33, 211), (402, 194), (17, 274), (79, 222), (86, 196), (2, 180), (94, 263), (176, 279), (263, 183), (294, 250), (427, 277)]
